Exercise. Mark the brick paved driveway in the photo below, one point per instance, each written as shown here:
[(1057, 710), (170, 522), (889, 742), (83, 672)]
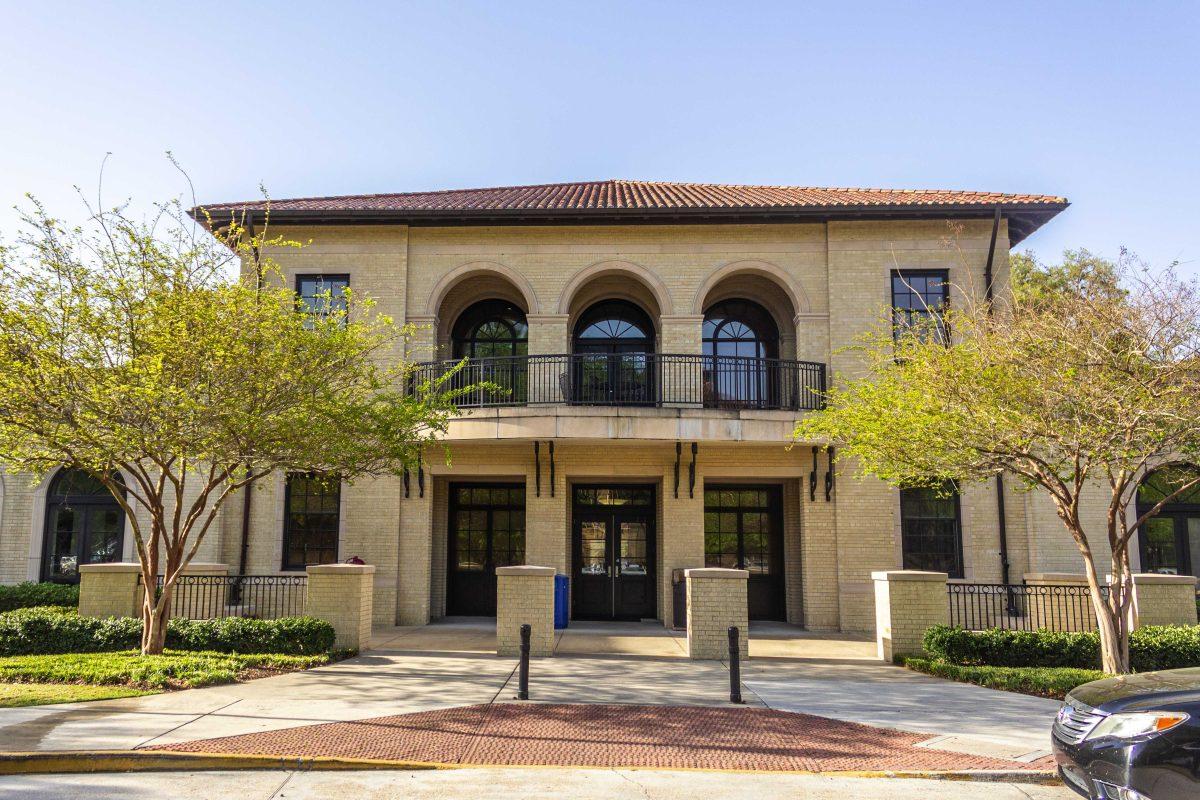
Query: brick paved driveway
[(611, 736)]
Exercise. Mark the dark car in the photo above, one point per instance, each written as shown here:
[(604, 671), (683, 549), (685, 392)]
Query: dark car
[(1135, 737)]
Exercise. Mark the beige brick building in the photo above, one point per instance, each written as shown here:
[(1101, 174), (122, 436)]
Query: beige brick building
[(656, 344)]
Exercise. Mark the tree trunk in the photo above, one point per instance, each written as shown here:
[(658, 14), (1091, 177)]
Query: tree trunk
[(1113, 626), (155, 616)]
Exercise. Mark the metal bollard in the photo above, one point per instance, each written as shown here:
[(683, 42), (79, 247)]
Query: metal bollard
[(523, 671), (735, 667)]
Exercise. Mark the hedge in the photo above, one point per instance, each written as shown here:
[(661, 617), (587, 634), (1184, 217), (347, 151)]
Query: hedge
[(1150, 648), (1052, 682), (48, 630), (27, 594)]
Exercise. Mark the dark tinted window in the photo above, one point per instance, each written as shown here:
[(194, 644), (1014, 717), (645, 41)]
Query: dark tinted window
[(310, 527), (918, 299), (321, 295), (930, 530)]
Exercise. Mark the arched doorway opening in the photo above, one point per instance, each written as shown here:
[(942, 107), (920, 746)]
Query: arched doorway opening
[(84, 525), (494, 336), (741, 349), (1169, 542), (613, 346)]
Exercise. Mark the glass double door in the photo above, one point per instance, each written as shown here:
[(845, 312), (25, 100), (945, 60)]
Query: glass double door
[(1171, 543), (614, 571)]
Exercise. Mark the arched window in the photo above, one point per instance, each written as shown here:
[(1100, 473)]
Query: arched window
[(491, 329), (612, 341), (84, 525), (1170, 540), (736, 332)]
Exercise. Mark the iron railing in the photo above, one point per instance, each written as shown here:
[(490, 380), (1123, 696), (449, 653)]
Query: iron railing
[(254, 596), (1064, 608), (629, 379)]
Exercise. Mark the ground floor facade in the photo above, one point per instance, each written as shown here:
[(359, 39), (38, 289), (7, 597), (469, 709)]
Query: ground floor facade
[(621, 518)]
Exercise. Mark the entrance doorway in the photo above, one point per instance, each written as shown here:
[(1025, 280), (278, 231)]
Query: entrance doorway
[(487, 530), (743, 530), (613, 547)]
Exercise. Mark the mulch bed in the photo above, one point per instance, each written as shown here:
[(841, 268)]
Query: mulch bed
[(667, 737)]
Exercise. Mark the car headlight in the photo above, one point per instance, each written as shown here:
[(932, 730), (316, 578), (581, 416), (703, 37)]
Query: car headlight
[(1129, 726)]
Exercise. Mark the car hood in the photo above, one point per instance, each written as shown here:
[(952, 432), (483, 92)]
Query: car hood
[(1145, 691)]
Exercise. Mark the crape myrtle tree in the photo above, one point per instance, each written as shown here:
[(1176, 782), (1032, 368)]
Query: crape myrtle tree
[(1085, 376), (128, 349)]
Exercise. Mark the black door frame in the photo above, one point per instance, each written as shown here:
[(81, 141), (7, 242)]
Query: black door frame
[(1185, 559), (487, 576), (613, 515), (775, 581)]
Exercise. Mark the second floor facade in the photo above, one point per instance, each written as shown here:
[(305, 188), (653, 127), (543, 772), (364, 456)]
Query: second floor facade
[(638, 310)]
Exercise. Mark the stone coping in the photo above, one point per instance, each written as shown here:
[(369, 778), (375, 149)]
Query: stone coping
[(528, 571), (717, 572), (341, 569), (1056, 577), (118, 566), (1145, 578), (910, 575)]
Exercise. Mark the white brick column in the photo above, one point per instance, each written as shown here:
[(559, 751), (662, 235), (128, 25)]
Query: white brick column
[(109, 590), (343, 595), (907, 603), (1164, 599), (717, 601), (524, 596)]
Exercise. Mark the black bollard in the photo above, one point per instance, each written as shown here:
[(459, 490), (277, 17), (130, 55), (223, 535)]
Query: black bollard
[(735, 667), (523, 671)]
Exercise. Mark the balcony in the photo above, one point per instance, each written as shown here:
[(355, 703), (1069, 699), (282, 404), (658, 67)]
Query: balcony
[(650, 380)]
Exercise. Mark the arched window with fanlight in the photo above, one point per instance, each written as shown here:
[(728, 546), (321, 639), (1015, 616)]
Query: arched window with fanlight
[(1170, 540), (741, 348), (84, 525), (613, 344), (494, 336)]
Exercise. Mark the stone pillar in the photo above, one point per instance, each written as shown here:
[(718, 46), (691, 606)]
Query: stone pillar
[(343, 595), (414, 573), (907, 603), (682, 381), (1059, 609), (524, 596), (681, 538), (716, 602), (109, 590), (549, 378), (1164, 599)]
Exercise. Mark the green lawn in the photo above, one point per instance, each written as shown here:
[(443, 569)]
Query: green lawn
[(1052, 682), (37, 694), (175, 669)]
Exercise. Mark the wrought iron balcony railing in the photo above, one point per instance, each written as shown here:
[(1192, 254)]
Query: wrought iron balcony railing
[(631, 379)]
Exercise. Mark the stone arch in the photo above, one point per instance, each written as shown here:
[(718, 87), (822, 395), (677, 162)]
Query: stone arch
[(763, 269), (482, 268), (654, 295), (470, 283)]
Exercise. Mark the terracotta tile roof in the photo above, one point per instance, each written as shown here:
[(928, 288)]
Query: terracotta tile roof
[(651, 201)]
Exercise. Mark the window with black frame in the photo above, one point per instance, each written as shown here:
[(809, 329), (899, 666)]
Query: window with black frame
[(739, 336), (919, 301), (494, 336), (930, 529), (1169, 541), (321, 295), (84, 525), (311, 519), (613, 343)]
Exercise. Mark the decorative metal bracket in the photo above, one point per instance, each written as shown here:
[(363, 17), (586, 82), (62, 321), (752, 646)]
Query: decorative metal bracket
[(537, 469), (692, 472), (550, 446), (829, 476), (678, 456), (406, 482), (812, 479), (420, 480)]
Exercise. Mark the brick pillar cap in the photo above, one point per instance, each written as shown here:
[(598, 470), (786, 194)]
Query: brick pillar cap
[(716, 572), (120, 566), (1056, 577), (340, 569), (205, 566), (910, 575), (1155, 577), (527, 570)]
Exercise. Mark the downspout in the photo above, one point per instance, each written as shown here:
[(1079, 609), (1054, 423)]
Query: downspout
[(1002, 521), (243, 555)]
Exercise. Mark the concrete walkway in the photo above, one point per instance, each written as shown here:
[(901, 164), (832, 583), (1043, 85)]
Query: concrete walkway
[(453, 664)]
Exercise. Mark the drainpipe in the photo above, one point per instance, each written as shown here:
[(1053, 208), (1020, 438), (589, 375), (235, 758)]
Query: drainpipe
[(244, 553), (1001, 516)]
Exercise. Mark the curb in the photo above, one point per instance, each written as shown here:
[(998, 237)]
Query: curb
[(99, 761)]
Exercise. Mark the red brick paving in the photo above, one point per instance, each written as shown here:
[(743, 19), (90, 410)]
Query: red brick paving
[(611, 736)]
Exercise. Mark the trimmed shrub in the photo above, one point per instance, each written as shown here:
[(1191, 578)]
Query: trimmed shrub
[(1150, 648), (28, 594), (55, 629), (1052, 682)]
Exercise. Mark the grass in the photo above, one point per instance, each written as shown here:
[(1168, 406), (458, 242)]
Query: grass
[(13, 695), (174, 669), (1052, 682)]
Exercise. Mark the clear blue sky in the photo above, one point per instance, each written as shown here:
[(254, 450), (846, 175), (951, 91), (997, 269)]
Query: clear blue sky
[(1096, 101)]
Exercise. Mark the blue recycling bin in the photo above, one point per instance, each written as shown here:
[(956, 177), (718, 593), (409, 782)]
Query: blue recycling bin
[(562, 594)]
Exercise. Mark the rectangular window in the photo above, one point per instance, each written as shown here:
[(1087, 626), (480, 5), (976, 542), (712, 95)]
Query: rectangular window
[(919, 298), (321, 295), (930, 531), (488, 523), (310, 524), (740, 528)]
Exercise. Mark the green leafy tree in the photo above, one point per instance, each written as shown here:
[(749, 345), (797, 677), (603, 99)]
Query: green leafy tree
[(128, 350), (1088, 375)]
